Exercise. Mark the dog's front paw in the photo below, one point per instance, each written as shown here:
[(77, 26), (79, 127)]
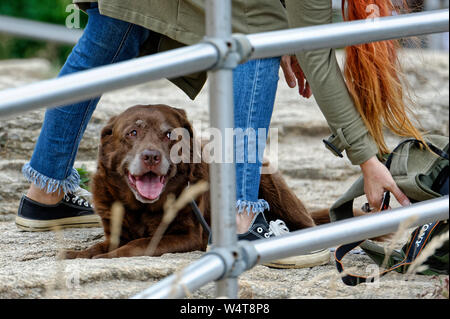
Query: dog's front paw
[(111, 254), (73, 254)]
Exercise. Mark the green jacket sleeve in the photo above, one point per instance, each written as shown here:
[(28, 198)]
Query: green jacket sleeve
[(328, 85)]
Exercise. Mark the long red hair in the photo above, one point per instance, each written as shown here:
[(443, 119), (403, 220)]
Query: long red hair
[(374, 79)]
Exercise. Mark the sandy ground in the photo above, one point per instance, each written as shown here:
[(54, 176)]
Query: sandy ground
[(28, 264)]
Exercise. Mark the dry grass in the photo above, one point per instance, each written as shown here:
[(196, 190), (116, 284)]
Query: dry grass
[(397, 239), (59, 280), (176, 283), (433, 245), (117, 213), (171, 208)]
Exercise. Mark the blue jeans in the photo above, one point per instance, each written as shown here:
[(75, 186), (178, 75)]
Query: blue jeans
[(255, 86), (107, 40)]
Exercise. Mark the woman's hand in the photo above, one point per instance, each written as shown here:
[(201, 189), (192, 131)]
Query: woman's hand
[(293, 73), (377, 180)]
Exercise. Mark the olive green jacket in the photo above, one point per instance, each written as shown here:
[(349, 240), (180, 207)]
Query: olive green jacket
[(182, 22), (327, 83), (176, 23)]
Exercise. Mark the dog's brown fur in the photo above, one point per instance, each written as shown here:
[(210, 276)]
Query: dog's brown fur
[(142, 219)]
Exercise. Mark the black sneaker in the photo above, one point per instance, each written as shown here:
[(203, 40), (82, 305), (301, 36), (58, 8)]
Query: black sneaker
[(260, 229), (71, 211)]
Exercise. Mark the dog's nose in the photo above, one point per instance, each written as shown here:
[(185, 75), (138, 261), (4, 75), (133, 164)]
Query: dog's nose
[(151, 157)]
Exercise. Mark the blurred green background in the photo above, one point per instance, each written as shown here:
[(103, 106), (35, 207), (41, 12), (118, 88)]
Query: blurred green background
[(51, 11)]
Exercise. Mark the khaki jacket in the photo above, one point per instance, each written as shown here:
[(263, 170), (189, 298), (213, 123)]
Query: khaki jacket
[(182, 22), (327, 82)]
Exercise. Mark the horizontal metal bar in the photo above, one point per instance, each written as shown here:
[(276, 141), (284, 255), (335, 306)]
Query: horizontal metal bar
[(194, 276), (200, 57), (347, 231), (435, 4), (39, 30), (351, 230), (88, 84), (337, 35)]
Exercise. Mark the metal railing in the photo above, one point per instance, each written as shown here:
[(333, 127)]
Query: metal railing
[(437, 41), (205, 55), (220, 53), (39, 30), (215, 265)]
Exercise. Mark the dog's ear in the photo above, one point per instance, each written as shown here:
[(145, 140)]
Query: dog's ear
[(181, 112), (105, 136), (106, 141), (108, 129), (192, 167), (188, 126), (185, 121)]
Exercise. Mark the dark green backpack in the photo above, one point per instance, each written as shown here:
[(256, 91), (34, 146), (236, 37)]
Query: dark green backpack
[(422, 175)]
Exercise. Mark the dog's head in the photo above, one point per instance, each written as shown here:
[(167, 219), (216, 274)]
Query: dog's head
[(136, 148)]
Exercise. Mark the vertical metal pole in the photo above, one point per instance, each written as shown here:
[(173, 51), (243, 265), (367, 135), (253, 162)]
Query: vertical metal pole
[(436, 41), (222, 175)]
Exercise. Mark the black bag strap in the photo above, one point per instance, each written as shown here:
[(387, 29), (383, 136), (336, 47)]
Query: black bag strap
[(200, 217), (415, 246), (341, 251), (435, 149)]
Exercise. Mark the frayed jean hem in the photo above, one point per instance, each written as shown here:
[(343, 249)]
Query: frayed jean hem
[(255, 207), (51, 185)]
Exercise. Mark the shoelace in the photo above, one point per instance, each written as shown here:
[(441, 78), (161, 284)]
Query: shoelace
[(81, 192), (278, 228), (77, 199)]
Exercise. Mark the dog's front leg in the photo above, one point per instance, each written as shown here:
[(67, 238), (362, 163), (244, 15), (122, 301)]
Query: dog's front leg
[(168, 244), (97, 249)]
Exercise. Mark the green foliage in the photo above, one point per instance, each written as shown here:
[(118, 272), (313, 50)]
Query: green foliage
[(51, 11), (84, 177)]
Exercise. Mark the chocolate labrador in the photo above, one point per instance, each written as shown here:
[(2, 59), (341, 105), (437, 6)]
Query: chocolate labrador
[(135, 169)]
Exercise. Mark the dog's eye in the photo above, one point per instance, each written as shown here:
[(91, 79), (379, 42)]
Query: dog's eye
[(132, 133), (169, 134)]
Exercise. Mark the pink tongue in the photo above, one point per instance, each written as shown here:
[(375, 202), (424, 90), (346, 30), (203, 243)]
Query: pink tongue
[(149, 186)]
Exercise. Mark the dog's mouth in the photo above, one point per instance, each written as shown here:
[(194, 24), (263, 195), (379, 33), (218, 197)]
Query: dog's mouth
[(149, 185)]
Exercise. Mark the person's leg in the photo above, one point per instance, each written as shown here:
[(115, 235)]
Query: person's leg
[(50, 200), (255, 86), (104, 41)]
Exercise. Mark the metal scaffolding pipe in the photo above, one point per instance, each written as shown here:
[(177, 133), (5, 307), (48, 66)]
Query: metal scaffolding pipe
[(346, 231), (338, 35), (203, 271), (437, 41), (222, 174), (87, 84), (91, 83), (39, 30), (204, 56), (352, 230)]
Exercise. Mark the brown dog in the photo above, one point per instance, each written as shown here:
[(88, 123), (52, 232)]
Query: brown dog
[(134, 168)]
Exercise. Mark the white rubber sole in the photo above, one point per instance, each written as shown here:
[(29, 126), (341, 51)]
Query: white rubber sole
[(69, 222), (315, 258)]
